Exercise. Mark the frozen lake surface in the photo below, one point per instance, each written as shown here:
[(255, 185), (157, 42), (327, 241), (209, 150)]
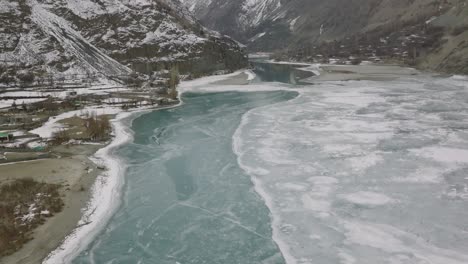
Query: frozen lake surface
[(339, 172), (365, 172)]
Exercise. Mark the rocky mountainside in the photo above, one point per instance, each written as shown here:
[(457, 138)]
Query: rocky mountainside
[(110, 38), (430, 33), (238, 19)]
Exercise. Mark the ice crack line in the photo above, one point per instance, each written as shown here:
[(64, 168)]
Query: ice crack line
[(248, 229)]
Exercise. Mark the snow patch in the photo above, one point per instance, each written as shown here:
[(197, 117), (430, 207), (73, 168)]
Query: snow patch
[(367, 198), (443, 154)]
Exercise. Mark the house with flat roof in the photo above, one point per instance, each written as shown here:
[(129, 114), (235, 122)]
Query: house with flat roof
[(5, 137)]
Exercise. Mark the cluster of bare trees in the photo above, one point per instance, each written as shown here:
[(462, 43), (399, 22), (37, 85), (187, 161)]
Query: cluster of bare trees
[(98, 128), (61, 136), (23, 76), (173, 81)]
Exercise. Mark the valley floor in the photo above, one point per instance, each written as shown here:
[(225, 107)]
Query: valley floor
[(78, 173)]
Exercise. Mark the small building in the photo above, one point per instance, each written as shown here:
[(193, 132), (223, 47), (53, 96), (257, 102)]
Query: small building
[(72, 94), (5, 137)]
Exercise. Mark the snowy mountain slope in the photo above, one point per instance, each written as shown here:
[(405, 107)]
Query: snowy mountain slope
[(304, 18), (110, 37), (87, 54), (257, 11), (294, 25), (232, 17)]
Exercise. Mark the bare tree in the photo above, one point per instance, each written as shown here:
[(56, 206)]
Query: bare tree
[(97, 127), (50, 81), (26, 77), (173, 81), (61, 136)]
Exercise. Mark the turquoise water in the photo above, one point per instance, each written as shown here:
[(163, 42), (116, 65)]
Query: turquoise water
[(186, 200), (283, 73)]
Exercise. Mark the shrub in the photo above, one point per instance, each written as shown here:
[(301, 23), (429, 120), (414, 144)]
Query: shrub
[(356, 61), (15, 202), (61, 137), (173, 81), (26, 77), (5, 78), (49, 105), (133, 80), (459, 30)]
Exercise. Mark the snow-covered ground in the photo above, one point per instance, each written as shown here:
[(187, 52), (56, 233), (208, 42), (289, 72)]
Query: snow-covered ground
[(117, 100), (250, 75), (202, 83), (19, 102), (52, 126), (314, 68), (103, 89)]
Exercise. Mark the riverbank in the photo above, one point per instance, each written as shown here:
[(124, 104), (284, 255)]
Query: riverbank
[(322, 73), (76, 173), (242, 78), (78, 168), (342, 72), (369, 72), (104, 194)]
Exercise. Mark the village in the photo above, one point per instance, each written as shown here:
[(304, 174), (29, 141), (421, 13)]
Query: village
[(37, 115), (398, 42)]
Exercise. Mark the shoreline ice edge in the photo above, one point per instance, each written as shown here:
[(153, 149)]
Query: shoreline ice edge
[(257, 184), (105, 194)]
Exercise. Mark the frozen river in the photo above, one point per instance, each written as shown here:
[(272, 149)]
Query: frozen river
[(337, 172)]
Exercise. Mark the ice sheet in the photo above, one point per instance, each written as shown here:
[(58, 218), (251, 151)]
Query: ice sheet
[(364, 172)]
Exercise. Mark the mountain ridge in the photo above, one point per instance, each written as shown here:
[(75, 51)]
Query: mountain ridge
[(292, 28), (110, 37)]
